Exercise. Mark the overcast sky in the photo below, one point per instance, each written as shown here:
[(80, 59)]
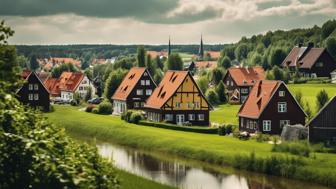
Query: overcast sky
[(152, 21)]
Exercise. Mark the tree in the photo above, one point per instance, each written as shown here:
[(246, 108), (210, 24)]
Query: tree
[(308, 111), (217, 75), (221, 92), (321, 99), (212, 96), (141, 56), (159, 63), (113, 82), (225, 62), (277, 73), (331, 46), (277, 56), (67, 67), (174, 62), (149, 65), (298, 97), (266, 40), (241, 51), (22, 61), (256, 59), (260, 48), (328, 28), (158, 76), (33, 64), (203, 83), (88, 94)]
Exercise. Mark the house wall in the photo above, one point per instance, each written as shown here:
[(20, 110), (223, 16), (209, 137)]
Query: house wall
[(43, 100), (333, 77), (231, 86), (119, 107), (248, 124), (67, 95), (294, 113), (83, 87), (329, 65)]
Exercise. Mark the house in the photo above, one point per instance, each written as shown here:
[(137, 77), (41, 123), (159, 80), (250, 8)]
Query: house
[(189, 66), (68, 84), (333, 76), (178, 100), (322, 128), (133, 91), (159, 54), (213, 55), (239, 81), (310, 61), (268, 108), (33, 92), (199, 65), (48, 64)]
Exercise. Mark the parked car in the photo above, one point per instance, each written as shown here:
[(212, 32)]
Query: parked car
[(97, 100), (58, 100)]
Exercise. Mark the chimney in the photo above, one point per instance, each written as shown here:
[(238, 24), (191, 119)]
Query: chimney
[(300, 45), (310, 45)]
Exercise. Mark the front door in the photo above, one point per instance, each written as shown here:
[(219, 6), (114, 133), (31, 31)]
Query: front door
[(179, 119)]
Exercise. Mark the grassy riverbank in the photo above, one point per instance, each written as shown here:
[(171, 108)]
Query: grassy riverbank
[(210, 148)]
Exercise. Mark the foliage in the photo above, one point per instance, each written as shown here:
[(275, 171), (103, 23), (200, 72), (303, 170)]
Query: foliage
[(141, 56), (33, 63), (321, 99), (202, 83), (66, 67), (278, 74), (194, 129), (301, 148), (298, 97), (331, 46), (90, 107), (149, 65), (277, 56), (328, 28), (88, 94), (113, 82), (224, 62), (9, 70), (158, 76), (217, 75), (136, 117), (241, 51), (5, 33), (221, 92), (174, 62), (105, 107), (212, 96), (308, 110)]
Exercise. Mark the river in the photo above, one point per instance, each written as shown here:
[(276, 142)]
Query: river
[(188, 174)]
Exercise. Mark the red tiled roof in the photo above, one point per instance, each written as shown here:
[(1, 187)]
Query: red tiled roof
[(52, 85), (206, 64), (128, 83), (303, 57), (258, 98), (246, 76), (68, 81), (214, 54), (169, 84), (66, 60), (25, 74), (154, 54)]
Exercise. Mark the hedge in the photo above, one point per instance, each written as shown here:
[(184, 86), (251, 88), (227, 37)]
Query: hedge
[(205, 130)]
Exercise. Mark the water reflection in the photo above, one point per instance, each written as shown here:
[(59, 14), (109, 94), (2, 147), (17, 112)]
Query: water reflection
[(175, 173)]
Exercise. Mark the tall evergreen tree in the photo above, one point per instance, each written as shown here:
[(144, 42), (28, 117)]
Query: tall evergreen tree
[(34, 65), (221, 91), (141, 56), (174, 62), (112, 82), (321, 99)]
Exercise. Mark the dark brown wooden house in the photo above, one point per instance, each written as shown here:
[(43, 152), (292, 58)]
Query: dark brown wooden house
[(33, 92), (322, 128), (310, 61), (239, 82), (268, 108), (133, 91), (178, 100)]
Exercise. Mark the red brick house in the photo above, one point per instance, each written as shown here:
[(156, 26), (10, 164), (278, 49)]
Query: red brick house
[(268, 108), (310, 61), (239, 82)]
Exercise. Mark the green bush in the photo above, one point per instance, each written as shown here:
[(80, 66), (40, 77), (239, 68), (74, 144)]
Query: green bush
[(262, 137), (135, 117), (205, 130), (127, 115), (301, 148), (105, 108), (228, 129), (221, 130), (95, 110)]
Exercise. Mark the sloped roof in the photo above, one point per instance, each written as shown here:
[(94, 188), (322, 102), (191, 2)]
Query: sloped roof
[(326, 107), (128, 83), (246, 76), (52, 85), (68, 81), (214, 54), (27, 73), (304, 57), (168, 86), (154, 54), (206, 64), (258, 98)]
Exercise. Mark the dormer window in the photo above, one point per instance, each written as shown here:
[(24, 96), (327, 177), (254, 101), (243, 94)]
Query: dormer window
[(281, 93)]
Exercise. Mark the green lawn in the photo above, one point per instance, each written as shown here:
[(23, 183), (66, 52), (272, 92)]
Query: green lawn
[(130, 181), (204, 147), (226, 113)]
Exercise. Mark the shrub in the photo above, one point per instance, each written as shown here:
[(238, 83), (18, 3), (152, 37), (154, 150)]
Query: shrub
[(205, 130), (127, 115), (212, 96), (73, 103), (90, 107), (105, 108), (95, 110), (135, 117), (321, 99), (262, 137), (229, 129), (297, 148), (221, 130)]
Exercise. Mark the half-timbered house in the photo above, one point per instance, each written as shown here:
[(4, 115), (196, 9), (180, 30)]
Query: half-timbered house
[(133, 91), (33, 92), (239, 81), (322, 128), (268, 108), (178, 100)]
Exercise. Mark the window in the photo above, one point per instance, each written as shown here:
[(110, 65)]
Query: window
[(30, 96), (147, 82), (80, 88), (191, 117), (142, 82), (227, 82), (142, 104), (84, 82), (231, 83), (36, 96), (136, 104), (197, 105), (145, 74), (267, 125), (200, 117), (35, 86), (319, 64), (30, 87), (244, 90), (148, 92), (177, 104), (284, 123), (190, 105), (282, 107), (139, 92), (281, 93), (169, 117), (241, 122)]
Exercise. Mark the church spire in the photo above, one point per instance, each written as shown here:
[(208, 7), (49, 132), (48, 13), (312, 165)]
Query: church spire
[(169, 48), (201, 50)]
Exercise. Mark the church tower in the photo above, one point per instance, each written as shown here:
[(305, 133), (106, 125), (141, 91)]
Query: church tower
[(169, 47), (201, 50)]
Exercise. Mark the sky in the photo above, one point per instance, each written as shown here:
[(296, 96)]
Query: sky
[(153, 21)]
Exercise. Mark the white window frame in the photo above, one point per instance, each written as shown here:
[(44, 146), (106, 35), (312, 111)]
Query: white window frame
[(30, 96), (139, 91), (284, 122), (149, 92), (282, 93), (147, 82), (142, 104), (244, 90), (36, 87), (200, 117), (191, 117), (142, 82), (36, 96), (136, 104), (282, 107), (267, 125), (30, 87), (169, 117), (227, 82)]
